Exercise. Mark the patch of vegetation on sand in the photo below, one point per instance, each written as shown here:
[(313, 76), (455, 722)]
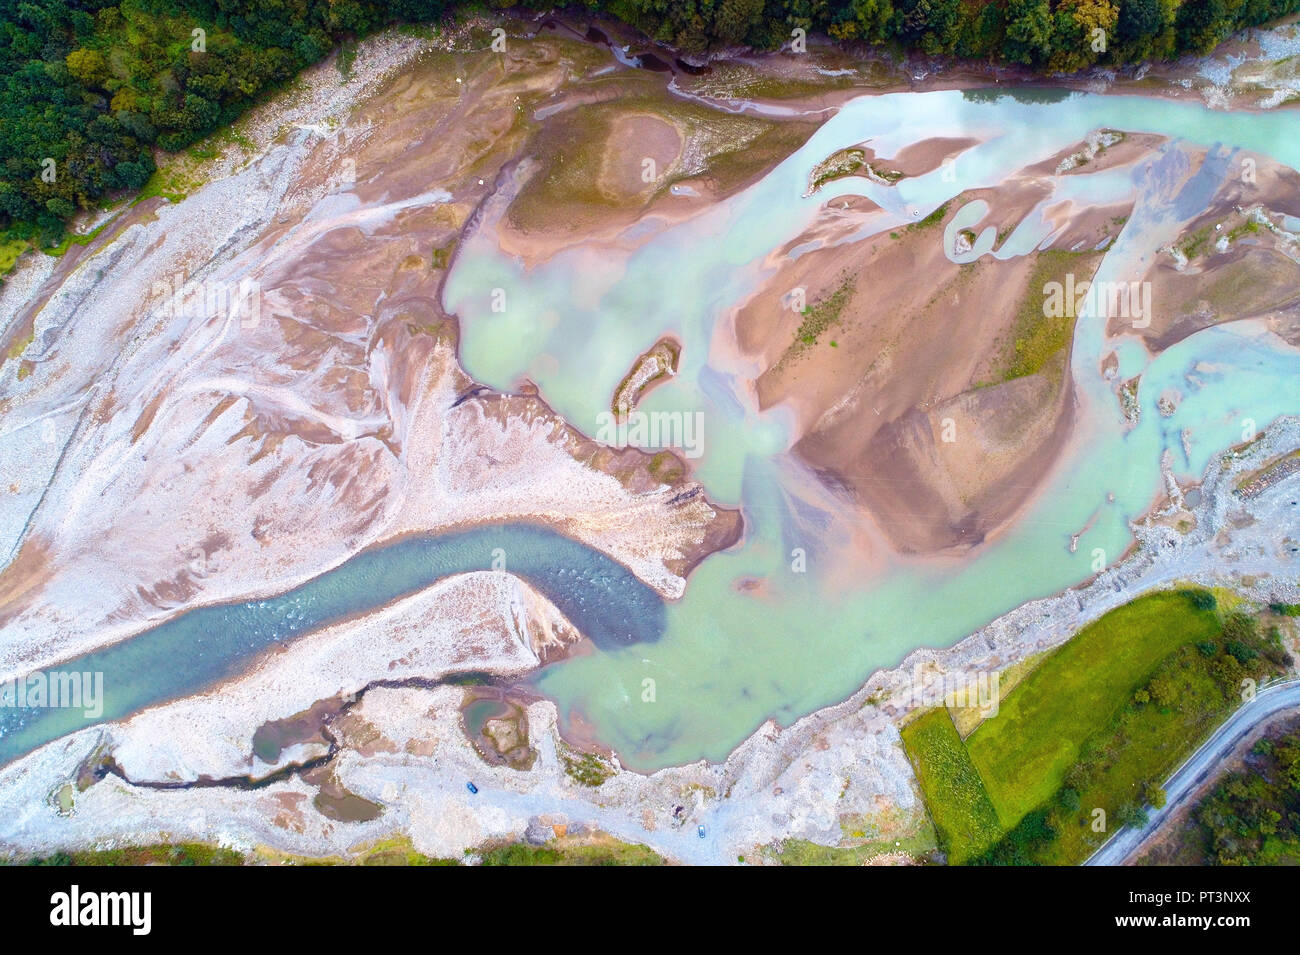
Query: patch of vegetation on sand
[(802, 852), (1128, 399), (819, 317), (968, 718), (597, 849), (1249, 226), (398, 851), (848, 162), (169, 183), (837, 165), (1036, 338), (1242, 287), (165, 853), (964, 816), (666, 468), (731, 167), (440, 258), (588, 769), (934, 218), (578, 150), (17, 348), (1194, 244), (73, 238)]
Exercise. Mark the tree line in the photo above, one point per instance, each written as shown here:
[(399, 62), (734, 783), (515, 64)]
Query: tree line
[(1252, 817), (92, 87)]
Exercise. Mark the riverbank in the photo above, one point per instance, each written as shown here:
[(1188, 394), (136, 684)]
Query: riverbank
[(838, 777), (235, 451)]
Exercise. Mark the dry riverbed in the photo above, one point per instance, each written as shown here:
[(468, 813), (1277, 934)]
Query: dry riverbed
[(837, 778)]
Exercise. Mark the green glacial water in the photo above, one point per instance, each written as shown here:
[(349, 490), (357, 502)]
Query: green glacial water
[(812, 621), (732, 657)]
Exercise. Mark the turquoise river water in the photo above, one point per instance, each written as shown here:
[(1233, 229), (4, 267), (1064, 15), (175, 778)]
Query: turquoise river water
[(732, 656), (725, 657)]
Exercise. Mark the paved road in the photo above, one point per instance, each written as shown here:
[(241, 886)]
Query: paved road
[(1268, 702)]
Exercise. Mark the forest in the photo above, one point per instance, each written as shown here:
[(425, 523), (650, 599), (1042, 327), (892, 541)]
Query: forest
[(93, 87), (1252, 817)]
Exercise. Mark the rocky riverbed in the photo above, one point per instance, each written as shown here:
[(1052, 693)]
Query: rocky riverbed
[(838, 777)]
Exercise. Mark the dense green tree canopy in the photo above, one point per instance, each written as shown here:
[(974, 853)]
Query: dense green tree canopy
[(92, 87)]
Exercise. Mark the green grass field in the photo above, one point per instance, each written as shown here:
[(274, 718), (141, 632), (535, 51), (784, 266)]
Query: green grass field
[(1098, 723), (1025, 752), (10, 250), (964, 818)]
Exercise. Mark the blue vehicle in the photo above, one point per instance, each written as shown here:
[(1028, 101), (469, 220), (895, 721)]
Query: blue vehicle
[(700, 831), (472, 788)]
